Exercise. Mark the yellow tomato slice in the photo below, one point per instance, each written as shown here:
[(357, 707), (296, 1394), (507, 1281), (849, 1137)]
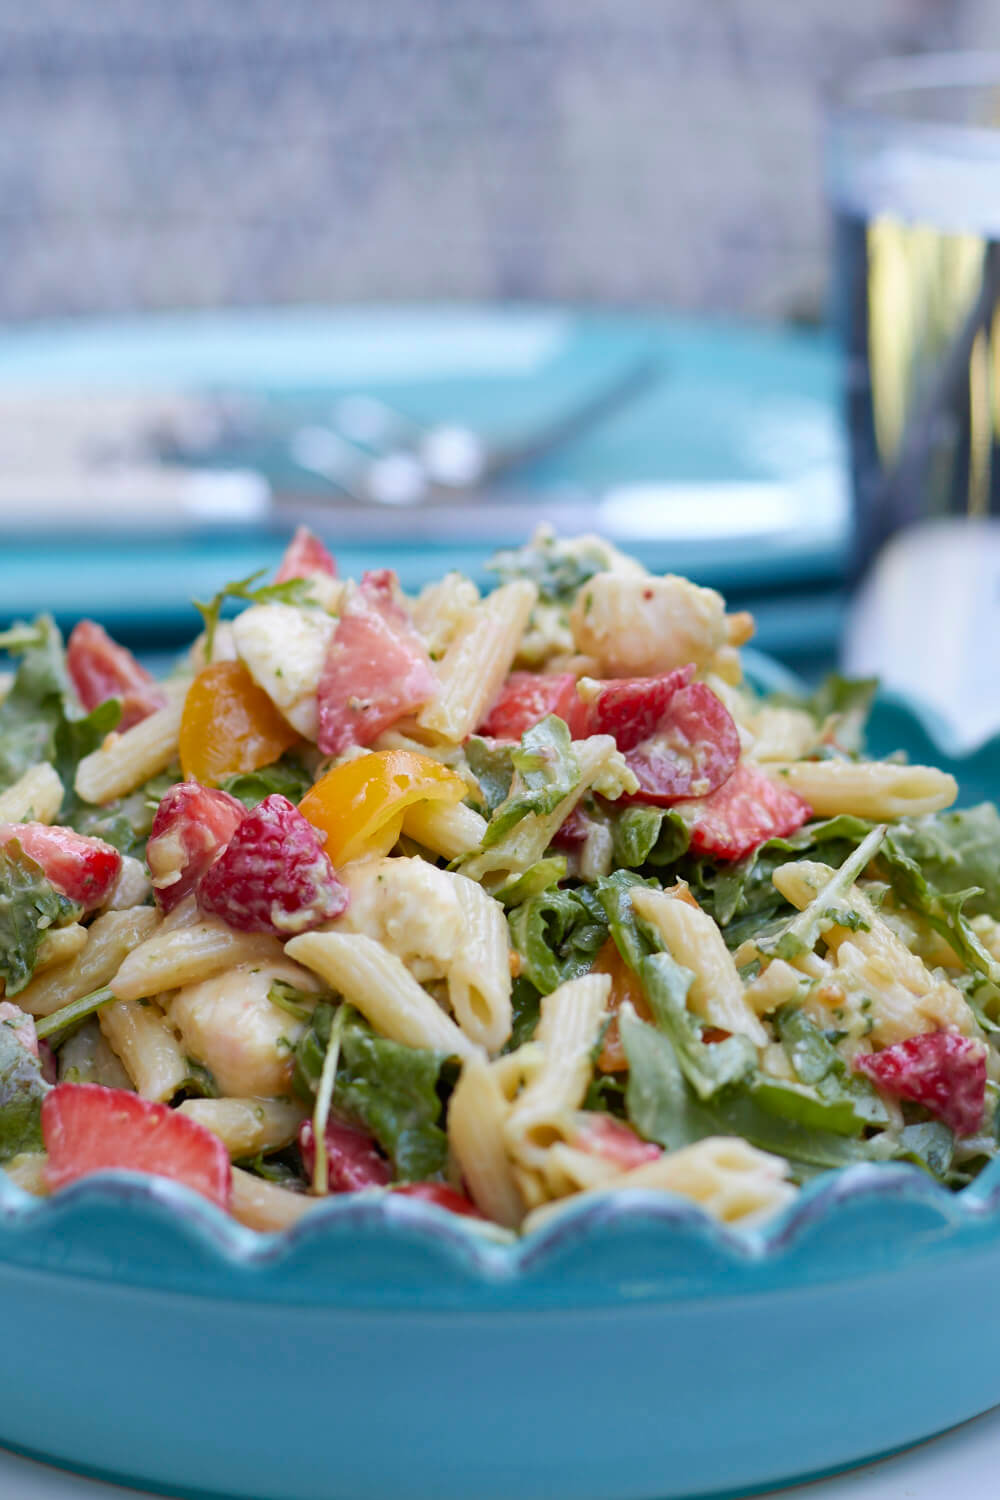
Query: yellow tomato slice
[(230, 724), (360, 805)]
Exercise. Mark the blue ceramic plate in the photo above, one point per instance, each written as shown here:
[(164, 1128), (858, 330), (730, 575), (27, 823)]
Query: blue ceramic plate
[(630, 1350)]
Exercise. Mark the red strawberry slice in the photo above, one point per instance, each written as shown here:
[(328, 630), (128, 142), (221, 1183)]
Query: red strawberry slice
[(87, 1128), (82, 868), (443, 1196), (192, 826), (631, 709), (744, 812), (273, 875), (603, 1135), (676, 735), (525, 699), (352, 1158), (941, 1070), (376, 668), (100, 669), (304, 555)]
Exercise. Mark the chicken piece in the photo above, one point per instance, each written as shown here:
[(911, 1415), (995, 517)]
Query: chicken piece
[(228, 1024), (643, 627)]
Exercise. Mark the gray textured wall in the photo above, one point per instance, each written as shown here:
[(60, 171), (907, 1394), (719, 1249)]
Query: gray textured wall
[(622, 151)]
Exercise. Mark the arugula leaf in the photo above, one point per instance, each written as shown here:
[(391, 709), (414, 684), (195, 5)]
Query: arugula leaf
[(293, 591), (955, 851), (546, 771), (818, 1064), (71, 1014), (125, 823), (525, 1003), (22, 1089), (537, 878), (287, 776), (388, 1088), (930, 1145), (75, 738), (943, 912), (29, 906), (557, 937), (801, 932), (35, 705), (292, 1000), (493, 768), (558, 569), (658, 1101), (648, 835), (610, 896), (706, 1068)]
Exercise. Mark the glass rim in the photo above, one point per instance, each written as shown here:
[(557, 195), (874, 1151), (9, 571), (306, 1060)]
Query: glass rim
[(863, 98)]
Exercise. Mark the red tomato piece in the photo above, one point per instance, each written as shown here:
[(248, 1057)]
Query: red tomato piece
[(441, 1195), (82, 868), (100, 669), (745, 811), (603, 1135), (631, 709), (274, 875), (573, 831), (941, 1070), (527, 697), (376, 669), (192, 826), (305, 554), (353, 1160), (87, 1128)]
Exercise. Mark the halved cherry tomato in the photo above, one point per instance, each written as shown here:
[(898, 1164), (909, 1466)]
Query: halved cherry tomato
[(360, 805), (624, 986), (230, 724), (441, 1196), (527, 697), (603, 1135)]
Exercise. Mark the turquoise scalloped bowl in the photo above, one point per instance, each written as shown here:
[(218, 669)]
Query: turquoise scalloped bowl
[(631, 1350)]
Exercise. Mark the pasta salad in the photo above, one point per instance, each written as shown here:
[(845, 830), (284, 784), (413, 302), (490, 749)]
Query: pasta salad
[(492, 900)]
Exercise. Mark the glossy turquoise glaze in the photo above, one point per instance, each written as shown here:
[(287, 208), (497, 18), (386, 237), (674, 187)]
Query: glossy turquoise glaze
[(630, 1350)]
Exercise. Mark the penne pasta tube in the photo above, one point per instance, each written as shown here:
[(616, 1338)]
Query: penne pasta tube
[(59, 945), (476, 1116), (447, 828), (266, 1206), (126, 760), (178, 956), (141, 1037), (477, 660), (247, 1126), (543, 1113), (108, 940), (27, 1169), (381, 987), (35, 797), (694, 940), (479, 982), (878, 790)]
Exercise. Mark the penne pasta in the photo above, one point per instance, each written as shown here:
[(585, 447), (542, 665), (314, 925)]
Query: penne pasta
[(693, 939), (447, 828), (108, 940), (139, 1035), (477, 660), (266, 1206), (247, 1126), (479, 981), (476, 1117), (182, 955), (381, 987), (126, 761), (878, 790), (35, 797)]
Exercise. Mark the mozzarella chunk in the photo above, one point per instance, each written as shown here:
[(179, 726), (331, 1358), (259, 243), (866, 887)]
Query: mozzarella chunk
[(284, 649), (410, 907), (640, 627), (228, 1024)]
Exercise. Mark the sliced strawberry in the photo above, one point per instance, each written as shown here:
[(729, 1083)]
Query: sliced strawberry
[(441, 1195), (676, 735), (376, 668), (82, 868), (573, 831), (192, 826), (304, 555), (631, 709), (100, 669), (744, 812), (940, 1069), (352, 1157), (87, 1128), (273, 875), (527, 697), (603, 1135)]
